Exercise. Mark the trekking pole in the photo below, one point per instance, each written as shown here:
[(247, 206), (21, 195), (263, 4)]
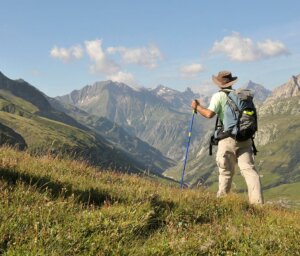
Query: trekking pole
[(187, 148)]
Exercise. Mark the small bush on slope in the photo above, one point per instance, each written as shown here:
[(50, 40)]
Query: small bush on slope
[(62, 207)]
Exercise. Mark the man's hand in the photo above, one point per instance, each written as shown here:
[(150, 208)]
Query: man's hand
[(202, 110), (195, 104)]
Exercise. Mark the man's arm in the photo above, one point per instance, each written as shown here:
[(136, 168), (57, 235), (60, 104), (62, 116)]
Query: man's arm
[(202, 110)]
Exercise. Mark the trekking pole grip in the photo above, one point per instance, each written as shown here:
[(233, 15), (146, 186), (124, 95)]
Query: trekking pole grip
[(195, 109)]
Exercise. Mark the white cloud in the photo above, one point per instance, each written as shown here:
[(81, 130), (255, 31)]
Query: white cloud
[(104, 65), (124, 77), (77, 52), (244, 49), (67, 54), (101, 63), (272, 48), (191, 70), (144, 56)]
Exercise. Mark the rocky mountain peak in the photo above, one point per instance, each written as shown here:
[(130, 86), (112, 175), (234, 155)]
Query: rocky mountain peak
[(252, 84), (260, 92), (161, 90), (289, 89), (189, 91), (91, 93), (295, 80)]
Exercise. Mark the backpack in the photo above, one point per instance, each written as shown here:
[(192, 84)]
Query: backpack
[(240, 118)]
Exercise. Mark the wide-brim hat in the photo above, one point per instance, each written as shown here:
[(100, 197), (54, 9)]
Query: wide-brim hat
[(224, 79)]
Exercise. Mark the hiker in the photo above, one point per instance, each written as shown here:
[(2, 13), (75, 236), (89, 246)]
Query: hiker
[(230, 150)]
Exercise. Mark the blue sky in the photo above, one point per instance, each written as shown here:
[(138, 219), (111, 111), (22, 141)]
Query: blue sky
[(59, 46)]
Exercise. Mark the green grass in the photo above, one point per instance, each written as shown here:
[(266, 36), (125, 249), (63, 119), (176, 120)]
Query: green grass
[(285, 192), (8, 98), (38, 131), (50, 206)]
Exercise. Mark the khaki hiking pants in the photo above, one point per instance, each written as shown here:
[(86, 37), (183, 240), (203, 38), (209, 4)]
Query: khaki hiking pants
[(231, 152)]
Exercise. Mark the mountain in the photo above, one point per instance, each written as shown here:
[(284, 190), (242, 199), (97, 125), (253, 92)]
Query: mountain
[(289, 89), (180, 101), (38, 101), (22, 89), (150, 157), (26, 113), (260, 92), (140, 150), (159, 117)]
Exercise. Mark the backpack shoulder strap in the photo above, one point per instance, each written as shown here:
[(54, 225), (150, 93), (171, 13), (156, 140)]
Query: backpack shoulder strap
[(230, 101), (232, 104)]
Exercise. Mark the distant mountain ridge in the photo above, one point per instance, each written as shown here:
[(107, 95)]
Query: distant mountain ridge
[(29, 118), (180, 101), (158, 116), (140, 150)]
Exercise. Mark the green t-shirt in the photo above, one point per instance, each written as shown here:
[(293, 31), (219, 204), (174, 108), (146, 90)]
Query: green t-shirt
[(218, 102)]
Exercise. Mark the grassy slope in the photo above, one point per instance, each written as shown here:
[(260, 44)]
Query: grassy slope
[(38, 131), (7, 98), (62, 207), (46, 135)]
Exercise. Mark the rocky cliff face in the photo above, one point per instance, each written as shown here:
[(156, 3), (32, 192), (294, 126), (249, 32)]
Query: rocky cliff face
[(278, 106), (275, 104), (289, 89), (272, 114), (283, 101)]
